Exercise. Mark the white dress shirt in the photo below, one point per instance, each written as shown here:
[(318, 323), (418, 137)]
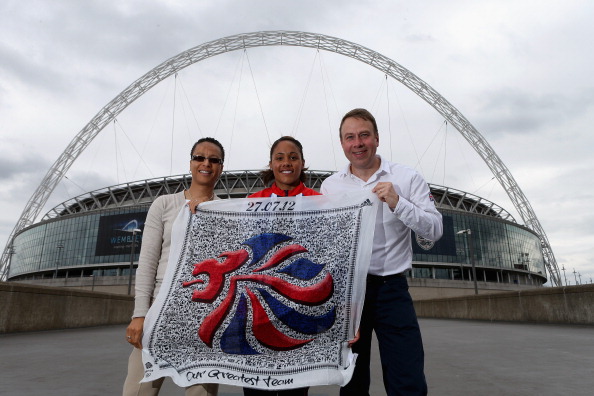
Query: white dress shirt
[(392, 249)]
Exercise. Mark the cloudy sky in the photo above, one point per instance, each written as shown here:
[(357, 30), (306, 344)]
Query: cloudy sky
[(519, 71)]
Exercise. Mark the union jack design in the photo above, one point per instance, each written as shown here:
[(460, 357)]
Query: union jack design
[(259, 284)]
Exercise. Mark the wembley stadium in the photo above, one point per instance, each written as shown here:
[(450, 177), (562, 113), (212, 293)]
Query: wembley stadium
[(92, 241)]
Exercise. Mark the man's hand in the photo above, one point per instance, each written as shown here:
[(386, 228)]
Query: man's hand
[(351, 342), (386, 193)]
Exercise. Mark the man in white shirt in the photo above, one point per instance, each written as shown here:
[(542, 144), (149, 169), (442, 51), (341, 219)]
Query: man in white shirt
[(407, 205)]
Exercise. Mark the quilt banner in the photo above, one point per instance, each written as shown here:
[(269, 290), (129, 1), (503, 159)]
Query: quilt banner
[(262, 293)]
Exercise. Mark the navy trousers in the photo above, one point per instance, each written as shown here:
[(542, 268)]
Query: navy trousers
[(389, 311), (288, 392)]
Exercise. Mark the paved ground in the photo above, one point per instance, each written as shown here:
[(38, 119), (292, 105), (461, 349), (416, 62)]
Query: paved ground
[(462, 358)]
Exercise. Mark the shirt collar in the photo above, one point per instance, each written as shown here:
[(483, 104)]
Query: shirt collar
[(383, 168)]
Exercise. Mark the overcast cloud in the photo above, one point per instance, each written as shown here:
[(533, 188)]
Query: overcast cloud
[(520, 71)]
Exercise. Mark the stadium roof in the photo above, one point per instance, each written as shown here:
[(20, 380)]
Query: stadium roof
[(239, 184)]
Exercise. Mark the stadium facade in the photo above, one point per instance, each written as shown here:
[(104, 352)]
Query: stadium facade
[(88, 241)]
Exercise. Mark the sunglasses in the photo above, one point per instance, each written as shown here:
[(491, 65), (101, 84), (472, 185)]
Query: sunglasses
[(200, 158)]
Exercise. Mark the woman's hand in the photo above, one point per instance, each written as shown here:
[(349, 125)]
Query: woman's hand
[(134, 332), (194, 202)]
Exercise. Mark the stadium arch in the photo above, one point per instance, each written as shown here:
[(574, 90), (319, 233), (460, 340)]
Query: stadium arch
[(282, 38)]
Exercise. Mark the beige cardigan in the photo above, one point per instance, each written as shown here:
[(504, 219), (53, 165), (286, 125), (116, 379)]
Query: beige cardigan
[(154, 253)]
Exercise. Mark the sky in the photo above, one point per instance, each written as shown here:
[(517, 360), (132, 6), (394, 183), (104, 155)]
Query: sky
[(519, 71)]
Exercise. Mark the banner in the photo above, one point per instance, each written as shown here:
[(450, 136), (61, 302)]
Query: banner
[(262, 293), (115, 233), (445, 246)]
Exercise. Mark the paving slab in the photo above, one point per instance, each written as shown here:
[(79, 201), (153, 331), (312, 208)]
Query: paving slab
[(462, 358)]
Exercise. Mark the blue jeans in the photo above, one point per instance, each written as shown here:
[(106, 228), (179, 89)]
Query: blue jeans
[(389, 311)]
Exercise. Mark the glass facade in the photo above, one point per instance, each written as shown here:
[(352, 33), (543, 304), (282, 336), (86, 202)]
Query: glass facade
[(99, 242), (503, 251)]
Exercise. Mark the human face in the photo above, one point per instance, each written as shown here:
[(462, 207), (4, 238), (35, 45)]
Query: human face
[(286, 164), (206, 172), (359, 143)]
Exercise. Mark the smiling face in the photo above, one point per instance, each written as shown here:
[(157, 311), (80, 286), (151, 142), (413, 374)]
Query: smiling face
[(286, 164), (359, 142), (206, 173)]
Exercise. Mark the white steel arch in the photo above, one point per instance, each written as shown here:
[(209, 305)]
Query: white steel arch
[(277, 38)]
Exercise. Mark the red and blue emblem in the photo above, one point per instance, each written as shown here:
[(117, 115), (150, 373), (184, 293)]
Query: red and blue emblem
[(256, 287)]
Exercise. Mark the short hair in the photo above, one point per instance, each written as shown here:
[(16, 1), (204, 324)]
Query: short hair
[(268, 175), (209, 140), (362, 114)]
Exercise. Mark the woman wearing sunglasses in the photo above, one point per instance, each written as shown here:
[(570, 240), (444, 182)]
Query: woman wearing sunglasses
[(206, 165), (286, 171)]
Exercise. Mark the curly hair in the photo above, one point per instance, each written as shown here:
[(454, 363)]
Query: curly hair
[(268, 174)]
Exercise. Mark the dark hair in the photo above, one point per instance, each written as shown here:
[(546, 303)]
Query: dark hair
[(358, 113), (209, 140), (268, 174)]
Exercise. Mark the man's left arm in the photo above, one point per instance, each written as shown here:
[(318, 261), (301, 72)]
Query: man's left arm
[(417, 211)]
